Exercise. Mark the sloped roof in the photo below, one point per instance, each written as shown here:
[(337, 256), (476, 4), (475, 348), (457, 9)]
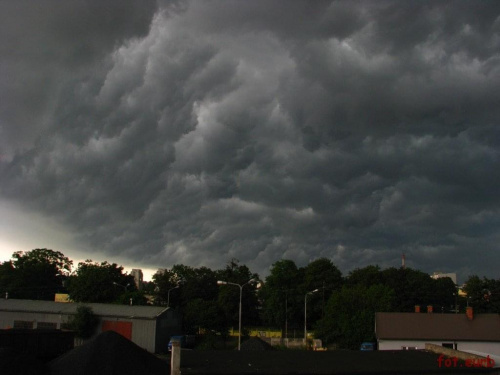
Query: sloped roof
[(100, 309), (435, 326), (108, 353)]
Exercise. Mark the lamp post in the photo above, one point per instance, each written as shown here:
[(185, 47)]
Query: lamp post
[(123, 286), (286, 310), (219, 282), (168, 294), (305, 314), (286, 316), (456, 303)]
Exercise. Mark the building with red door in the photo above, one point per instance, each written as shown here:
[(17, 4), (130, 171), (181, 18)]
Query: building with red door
[(150, 327)]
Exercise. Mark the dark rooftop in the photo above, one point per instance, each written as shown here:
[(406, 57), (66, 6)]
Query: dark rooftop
[(101, 309), (435, 326)]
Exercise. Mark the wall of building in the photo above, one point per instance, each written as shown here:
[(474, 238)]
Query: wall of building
[(7, 319), (143, 330), (483, 347), (144, 333), (473, 346), (168, 324), (401, 344), (152, 334)]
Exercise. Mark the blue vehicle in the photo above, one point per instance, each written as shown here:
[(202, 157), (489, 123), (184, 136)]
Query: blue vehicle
[(187, 341), (368, 346)]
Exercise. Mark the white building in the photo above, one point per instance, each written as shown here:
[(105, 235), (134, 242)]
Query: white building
[(440, 275), (150, 327), (465, 332)]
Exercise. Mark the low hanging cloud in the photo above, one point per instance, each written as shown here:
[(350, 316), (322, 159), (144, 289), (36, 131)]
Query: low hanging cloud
[(195, 132)]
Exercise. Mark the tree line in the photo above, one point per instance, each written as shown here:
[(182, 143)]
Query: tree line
[(340, 309)]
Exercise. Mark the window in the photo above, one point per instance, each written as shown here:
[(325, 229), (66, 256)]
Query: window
[(23, 324)]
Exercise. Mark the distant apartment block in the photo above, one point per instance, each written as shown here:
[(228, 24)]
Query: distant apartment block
[(138, 277)]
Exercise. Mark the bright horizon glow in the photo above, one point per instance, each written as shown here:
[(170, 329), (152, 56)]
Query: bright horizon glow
[(23, 231)]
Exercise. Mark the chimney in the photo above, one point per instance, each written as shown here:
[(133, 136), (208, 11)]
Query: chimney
[(417, 308), (469, 312), (429, 309), (403, 265)]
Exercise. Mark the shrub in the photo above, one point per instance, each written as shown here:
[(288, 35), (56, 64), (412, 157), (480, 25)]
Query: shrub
[(84, 322)]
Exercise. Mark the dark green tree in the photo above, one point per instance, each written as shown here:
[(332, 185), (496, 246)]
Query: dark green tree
[(491, 295), (367, 276), (443, 298), (84, 322), (197, 283), (100, 282), (411, 287), (321, 275), (350, 317), (8, 284), (35, 274), (190, 283), (229, 295), (282, 304), (187, 284), (202, 316), (148, 287), (132, 297), (165, 281), (483, 294), (474, 287)]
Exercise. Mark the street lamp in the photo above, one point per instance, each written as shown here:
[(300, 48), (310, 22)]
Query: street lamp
[(305, 314), (286, 310), (168, 294), (123, 286), (286, 315), (219, 282)]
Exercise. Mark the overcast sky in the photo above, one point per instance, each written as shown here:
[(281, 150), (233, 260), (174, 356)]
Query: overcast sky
[(156, 133)]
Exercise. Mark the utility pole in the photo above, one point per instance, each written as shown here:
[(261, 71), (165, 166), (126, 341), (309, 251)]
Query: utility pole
[(305, 315)]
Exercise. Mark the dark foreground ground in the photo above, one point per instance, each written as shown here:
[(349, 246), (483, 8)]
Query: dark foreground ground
[(112, 354), (316, 363)]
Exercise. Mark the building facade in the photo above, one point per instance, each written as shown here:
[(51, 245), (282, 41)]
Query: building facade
[(138, 277), (441, 275), (150, 327), (464, 332)]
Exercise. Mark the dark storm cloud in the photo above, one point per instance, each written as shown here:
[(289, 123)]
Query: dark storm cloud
[(46, 43), (257, 130)]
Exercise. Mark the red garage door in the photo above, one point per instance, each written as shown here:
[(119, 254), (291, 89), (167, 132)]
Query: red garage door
[(123, 328)]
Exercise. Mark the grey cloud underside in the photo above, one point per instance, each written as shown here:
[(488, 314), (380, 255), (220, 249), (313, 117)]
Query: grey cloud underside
[(261, 130), (45, 43)]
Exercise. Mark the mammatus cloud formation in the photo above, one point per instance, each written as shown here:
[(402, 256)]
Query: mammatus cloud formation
[(195, 132)]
